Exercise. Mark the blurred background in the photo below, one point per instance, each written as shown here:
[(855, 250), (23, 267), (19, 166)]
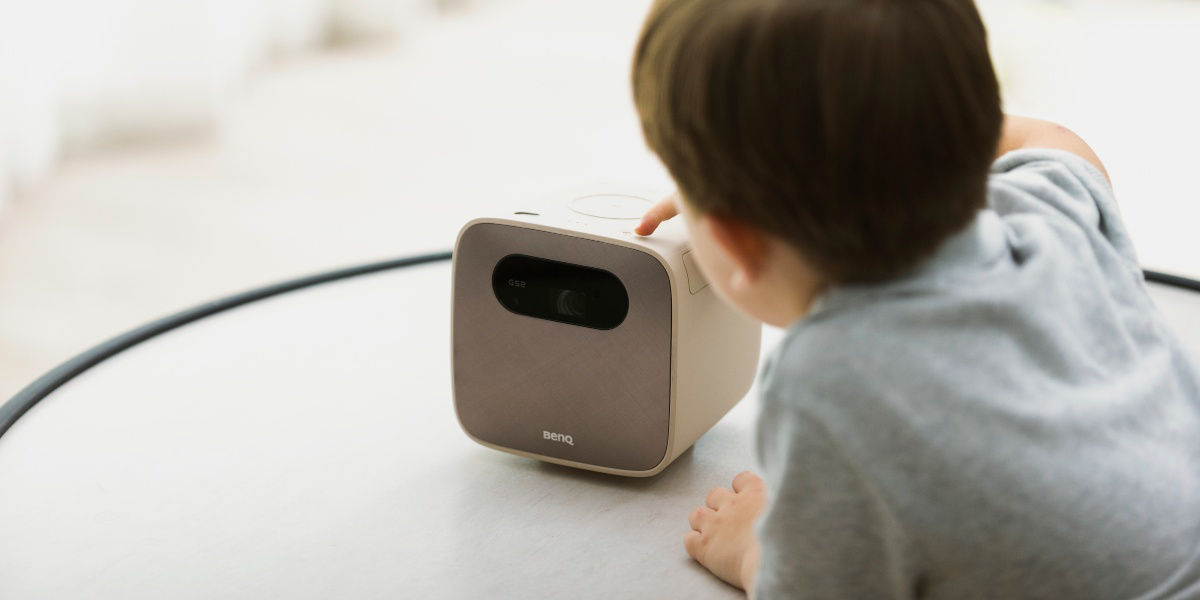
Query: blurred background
[(154, 154)]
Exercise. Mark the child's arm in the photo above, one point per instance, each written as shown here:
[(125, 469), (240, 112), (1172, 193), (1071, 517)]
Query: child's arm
[(1077, 186), (1024, 132)]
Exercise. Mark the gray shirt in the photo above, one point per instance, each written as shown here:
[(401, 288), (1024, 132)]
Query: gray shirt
[(1011, 419)]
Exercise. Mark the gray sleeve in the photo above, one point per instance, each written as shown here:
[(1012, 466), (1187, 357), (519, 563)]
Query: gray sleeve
[(826, 532), (1060, 183)]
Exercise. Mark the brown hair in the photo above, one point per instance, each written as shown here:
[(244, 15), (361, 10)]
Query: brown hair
[(860, 131)]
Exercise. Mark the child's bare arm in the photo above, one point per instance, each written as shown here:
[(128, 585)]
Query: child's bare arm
[(1024, 132)]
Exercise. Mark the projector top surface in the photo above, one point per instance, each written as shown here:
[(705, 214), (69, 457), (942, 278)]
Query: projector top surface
[(603, 213)]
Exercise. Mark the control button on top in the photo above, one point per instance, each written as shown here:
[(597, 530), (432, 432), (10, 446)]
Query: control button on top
[(611, 206)]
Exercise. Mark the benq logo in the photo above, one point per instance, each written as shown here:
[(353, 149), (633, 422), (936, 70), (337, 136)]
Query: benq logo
[(558, 437), (516, 283)]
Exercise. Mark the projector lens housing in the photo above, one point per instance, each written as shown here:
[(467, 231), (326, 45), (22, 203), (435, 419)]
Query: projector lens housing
[(559, 291)]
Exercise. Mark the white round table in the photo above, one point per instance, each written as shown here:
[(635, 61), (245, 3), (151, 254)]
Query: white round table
[(305, 446)]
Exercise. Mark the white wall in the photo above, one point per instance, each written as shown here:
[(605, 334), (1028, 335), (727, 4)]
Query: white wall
[(81, 74), (1122, 74)]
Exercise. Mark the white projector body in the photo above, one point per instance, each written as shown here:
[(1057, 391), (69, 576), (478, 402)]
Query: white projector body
[(580, 343)]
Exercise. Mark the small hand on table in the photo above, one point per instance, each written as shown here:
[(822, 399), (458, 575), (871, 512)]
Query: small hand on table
[(722, 537)]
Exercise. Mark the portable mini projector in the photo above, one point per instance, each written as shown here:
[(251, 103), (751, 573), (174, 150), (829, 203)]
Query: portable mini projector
[(579, 343)]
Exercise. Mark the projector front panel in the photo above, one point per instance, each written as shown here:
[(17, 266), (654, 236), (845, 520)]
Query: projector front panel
[(600, 397)]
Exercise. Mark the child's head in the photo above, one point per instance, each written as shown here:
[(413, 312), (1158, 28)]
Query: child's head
[(856, 134)]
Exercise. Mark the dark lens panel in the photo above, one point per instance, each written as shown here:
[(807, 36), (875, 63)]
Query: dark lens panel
[(558, 291)]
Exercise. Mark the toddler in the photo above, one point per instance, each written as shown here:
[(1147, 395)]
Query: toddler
[(975, 397)]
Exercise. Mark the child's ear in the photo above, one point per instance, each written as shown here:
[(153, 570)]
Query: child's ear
[(746, 246)]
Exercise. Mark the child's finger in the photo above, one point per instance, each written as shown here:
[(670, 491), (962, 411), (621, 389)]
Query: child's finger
[(663, 210), (745, 480), (699, 516), (693, 542), (717, 497)]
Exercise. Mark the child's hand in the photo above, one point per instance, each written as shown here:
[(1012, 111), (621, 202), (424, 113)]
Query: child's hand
[(663, 210), (722, 537)]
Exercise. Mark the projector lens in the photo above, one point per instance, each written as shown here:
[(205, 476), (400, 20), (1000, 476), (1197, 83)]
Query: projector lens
[(558, 291), (570, 303)]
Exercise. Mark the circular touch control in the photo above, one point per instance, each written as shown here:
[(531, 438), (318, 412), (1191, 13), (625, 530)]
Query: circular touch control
[(611, 206)]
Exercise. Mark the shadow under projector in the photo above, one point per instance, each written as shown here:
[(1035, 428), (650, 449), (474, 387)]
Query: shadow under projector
[(580, 343)]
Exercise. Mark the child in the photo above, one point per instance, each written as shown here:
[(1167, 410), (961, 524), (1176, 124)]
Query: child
[(975, 396)]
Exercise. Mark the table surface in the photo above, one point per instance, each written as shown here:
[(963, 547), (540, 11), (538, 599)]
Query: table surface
[(305, 446)]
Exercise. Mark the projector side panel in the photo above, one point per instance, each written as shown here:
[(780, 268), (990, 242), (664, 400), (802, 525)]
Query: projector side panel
[(523, 384), (716, 363)]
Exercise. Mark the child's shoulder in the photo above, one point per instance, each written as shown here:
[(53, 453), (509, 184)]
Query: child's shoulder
[(1035, 289), (1064, 188)]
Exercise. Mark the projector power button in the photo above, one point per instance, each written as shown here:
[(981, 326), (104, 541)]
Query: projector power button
[(611, 206)]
